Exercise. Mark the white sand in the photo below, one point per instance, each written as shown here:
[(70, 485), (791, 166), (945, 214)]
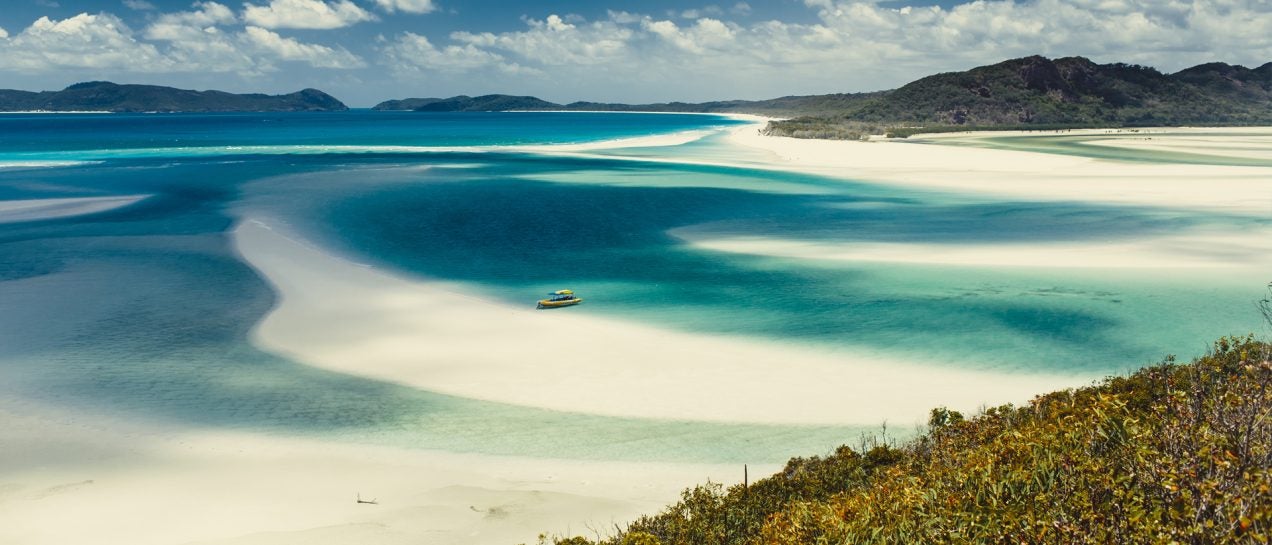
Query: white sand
[(352, 319), (1251, 249), (659, 140), (15, 165), (83, 480), (924, 163), (1252, 143), (42, 209), (71, 479)]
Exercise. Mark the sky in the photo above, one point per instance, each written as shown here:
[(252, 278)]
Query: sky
[(366, 51)]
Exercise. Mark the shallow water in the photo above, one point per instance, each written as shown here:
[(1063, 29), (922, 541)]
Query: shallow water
[(1241, 148), (144, 311)]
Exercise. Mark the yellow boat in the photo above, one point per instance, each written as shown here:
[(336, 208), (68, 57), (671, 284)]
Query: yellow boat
[(560, 298)]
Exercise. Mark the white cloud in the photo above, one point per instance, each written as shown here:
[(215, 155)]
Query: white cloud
[(207, 14), (1169, 35), (139, 5), (412, 52), (408, 6), (197, 42), (705, 34), (3, 33), (313, 14), (553, 41), (84, 41), (289, 49), (854, 45)]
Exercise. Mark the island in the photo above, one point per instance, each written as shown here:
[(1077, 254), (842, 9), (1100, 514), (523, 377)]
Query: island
[(1026, 93), (104, 96)]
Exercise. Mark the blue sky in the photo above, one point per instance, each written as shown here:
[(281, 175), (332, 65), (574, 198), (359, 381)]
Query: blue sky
[(365, 51)]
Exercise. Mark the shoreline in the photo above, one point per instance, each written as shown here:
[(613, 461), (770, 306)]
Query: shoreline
[(931, 164), (88, 479), (431, 335), (82, 477)]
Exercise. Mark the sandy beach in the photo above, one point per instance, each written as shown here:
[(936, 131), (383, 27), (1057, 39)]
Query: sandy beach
[(343, 317), (75, 478), (931, 162)]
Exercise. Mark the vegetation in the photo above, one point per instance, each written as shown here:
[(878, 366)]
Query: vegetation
[(1170, 454), (1027, 93), (105, 96), (463, 103), (785, 106), (1036, 92)]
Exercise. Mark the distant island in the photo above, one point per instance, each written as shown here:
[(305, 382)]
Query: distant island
[(1031, 92), (1025, 93), (104, 96), (784, 106)]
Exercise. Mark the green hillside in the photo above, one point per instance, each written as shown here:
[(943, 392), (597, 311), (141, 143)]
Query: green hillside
[(1170, 454), (1039, 92), (111, 97), (784, 106)]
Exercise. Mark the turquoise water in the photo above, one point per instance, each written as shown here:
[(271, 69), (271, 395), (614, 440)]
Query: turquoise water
[(144, 311)]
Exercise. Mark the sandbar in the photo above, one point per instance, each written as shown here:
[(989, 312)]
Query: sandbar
[(349, 318), (76, 478), (930, 162), (43, 209), (1198, 250)]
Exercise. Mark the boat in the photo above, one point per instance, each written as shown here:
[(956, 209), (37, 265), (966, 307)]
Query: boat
[(560, 298)]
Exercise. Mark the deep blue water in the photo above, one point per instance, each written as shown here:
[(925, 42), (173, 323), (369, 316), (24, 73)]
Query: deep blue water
[(144, 311)]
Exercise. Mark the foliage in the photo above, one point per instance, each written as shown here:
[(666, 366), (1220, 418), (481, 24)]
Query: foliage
[(1170, 454), (1035, 93), (111, 97)]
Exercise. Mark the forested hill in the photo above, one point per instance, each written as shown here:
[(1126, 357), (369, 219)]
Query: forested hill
[(785, 106), (1073, 91), (112, 97), (1018, 93)]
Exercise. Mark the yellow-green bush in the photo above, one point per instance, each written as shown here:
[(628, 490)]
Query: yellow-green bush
[(1170, 454)]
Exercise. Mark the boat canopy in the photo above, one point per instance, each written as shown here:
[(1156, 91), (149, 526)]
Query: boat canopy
[(563, 292)]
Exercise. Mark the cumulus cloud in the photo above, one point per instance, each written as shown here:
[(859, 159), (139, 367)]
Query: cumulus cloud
[(408, 6), (189, 41), (84, 41), (207, 14), (412, 52), (289, 49), (312, 14), (856, 45), (197, 42), (705, 34), (701, 53), (1169, 35), (553, 41)]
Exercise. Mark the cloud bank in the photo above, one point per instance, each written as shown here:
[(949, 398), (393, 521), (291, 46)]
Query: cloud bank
[(690, 54), (190, 41)]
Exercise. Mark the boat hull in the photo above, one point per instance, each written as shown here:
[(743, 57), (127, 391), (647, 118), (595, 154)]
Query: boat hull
[(547, 303)]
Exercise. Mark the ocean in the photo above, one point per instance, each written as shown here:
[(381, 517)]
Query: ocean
[(145, 311)]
